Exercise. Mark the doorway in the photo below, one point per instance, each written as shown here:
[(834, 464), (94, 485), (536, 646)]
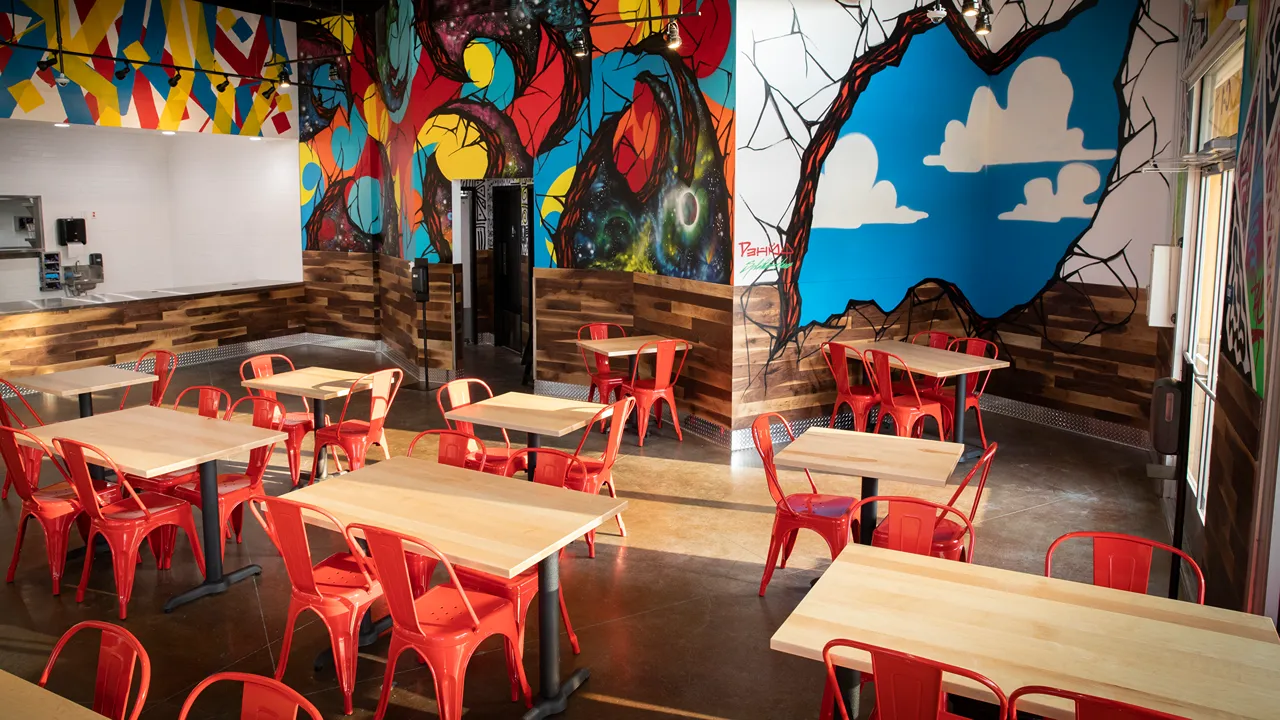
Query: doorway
[(513, 281)]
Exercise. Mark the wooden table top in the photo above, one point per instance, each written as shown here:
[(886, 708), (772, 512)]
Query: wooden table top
[(29, 700), (886, 457), (930, 361), (486, 522), (625, 346), (523, 412), (70, 383), (316, 383), (149, 441), (1020, 629)]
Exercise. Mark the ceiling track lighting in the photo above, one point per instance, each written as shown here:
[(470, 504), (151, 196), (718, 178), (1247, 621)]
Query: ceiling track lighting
[(123, 72), (47, 62), (226, 83), (673, 35), (285, 84), (177, 78), (266, 94), (983, 26), (580, 45), (970, 8)]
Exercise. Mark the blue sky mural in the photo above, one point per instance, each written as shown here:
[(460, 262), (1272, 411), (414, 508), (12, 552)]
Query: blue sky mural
[(985, 182)]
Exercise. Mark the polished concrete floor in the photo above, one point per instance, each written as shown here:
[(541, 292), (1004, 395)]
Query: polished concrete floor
[(668, 617)]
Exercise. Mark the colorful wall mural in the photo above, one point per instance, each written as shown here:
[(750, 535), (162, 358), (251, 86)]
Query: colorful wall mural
[(1252, 268), (630, 149), (179, 32), (881, 152)]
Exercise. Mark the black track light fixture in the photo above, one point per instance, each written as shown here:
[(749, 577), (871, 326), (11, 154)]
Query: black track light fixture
[(226, 83), (580, 45), (673, 35), (285, 83), (983, 26), (177, 78), (266, 94), (123, 72), (47, 62), (970, 8)]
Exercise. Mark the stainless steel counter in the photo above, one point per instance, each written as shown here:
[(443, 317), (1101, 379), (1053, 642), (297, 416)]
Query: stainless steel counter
[(99, 299)]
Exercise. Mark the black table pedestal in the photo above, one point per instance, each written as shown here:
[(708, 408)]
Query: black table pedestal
[(86, 410), (215, 582), (553, 695)]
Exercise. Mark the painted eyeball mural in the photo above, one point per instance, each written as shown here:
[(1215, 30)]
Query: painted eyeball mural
[(629, 148)]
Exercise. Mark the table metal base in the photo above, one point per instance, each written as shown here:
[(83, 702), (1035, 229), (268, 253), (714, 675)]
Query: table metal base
[(86, 410), (533, 441), (849, 684), (553, 695), (215, 581), (322, 462)]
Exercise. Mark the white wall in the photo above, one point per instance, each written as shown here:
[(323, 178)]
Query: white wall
[(164, 211)]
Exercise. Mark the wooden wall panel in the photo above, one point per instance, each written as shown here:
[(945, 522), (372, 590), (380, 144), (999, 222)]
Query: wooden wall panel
[(56, 340), (1062, 356), (565, 300), (444, 315), (342, 294), (1233, 462), (399, 312), (701, 313)]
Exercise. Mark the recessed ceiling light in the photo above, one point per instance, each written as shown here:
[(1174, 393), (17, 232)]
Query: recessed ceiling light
[(62, 124), (168, 132), (256, 138)]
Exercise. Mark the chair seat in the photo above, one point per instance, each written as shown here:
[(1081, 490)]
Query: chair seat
[(304, 419), (444, 619), (339, 575), (827, 506), (227, 484), (907, 402), (946, 396), (126, 510), (351, 428), (488, 582), (61, 497), (947, 534)]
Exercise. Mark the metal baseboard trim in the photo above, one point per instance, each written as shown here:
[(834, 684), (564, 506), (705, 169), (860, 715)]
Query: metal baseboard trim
[(705, 429), (1071, 422)]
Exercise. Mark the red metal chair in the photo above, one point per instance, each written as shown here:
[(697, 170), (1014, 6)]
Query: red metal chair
[(296, 424), (554, 467), (126, 522), (948, 535), (604, 381), (828, 515), (648, 392), (975, 385), (339, 589), (262, 698), (600, 470), (55, 507), (9, 418), (1123, 562), (909, 410), (860, 398), (911, 525), (235, 489), (165, 363), (355, 436), (211, 402), (908, 687), (455, 448), (931, 338), (119, 656), (1090, 707), (459, 393), (444, 625)]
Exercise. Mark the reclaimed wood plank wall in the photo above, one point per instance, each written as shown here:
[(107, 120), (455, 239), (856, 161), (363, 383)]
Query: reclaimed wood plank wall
[(400, 324), (567, 299), (444, 316), (55, 340), (342, 294), (1084, 349)]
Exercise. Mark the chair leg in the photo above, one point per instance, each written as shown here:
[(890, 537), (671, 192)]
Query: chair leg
[(290, 622), (591, 544), (124, 564), (982, 433), (568, 626), (448, 670), (4, 492), (88, 564), (516, 649), (187, 521), (675, 420), (17, 549), (344, 632), (293, 450), (775, 546), (622, 527), (642, 419), (56, 533), (788, 546), (382, 443), (394, 652)]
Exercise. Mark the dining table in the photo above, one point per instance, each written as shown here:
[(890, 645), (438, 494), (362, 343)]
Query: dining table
[(481, 521), (627, 346), (317, 384), (534, 415), (24, 699), (872, 457), (148, 442), (1021, 629), (937, 363)]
